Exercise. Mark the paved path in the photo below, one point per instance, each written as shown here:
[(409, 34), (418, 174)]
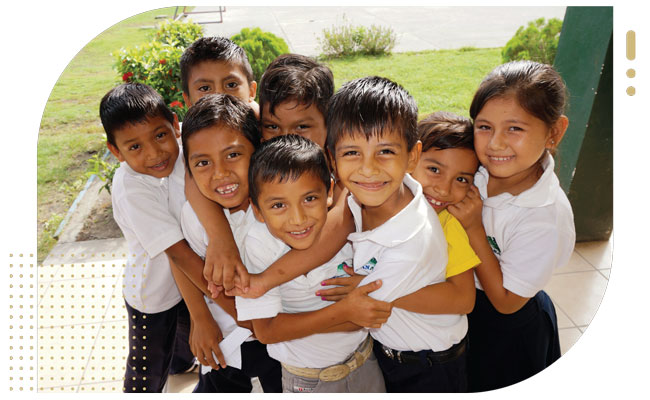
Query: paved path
[(417, 28)]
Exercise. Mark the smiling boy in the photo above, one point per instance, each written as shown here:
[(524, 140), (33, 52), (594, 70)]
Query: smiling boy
[(371, 125)]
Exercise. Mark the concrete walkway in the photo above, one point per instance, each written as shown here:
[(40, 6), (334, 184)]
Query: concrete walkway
[(417, 28)]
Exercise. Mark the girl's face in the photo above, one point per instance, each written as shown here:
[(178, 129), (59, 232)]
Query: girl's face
[(445, 175), (509, 141)]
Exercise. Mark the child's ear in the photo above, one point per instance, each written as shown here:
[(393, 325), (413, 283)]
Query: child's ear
[(257, 213), (252, 89), (115, 151), (557, 132), (177, 126), (187, 101), (330, 194), (414, 156), (331, 159)]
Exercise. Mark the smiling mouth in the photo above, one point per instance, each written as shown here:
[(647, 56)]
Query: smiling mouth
[(371, 186), (302, 233), (500, 159), (435, 203), (227, 189), (160, 166)]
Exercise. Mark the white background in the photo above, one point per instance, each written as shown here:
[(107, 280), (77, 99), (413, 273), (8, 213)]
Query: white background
[(610, 359)]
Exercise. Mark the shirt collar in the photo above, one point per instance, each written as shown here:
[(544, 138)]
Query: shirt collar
[(543, 192), (399, 228)]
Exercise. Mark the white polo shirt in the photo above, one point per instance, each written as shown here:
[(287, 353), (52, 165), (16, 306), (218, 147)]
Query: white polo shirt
[(321, 350), (147, 210), (407, 252), (197, 238), (531, 234)]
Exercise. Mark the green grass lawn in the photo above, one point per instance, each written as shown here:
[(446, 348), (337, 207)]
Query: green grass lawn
[(71, 132)]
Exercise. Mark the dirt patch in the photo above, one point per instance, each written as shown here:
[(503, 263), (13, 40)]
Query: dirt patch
[(100, 223)]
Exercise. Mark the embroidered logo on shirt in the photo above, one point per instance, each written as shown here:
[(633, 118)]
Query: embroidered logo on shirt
[(494, 245), (340, 272), (370, 265)]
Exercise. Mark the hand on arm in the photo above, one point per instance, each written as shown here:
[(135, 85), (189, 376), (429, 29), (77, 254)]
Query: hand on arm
[(469, 213), (344, 285), (359, 309), (222, 259)]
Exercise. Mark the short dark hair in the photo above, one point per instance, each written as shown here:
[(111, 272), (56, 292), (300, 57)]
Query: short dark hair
[(538, 88), (299, 78), (221, 110), (372, 106), (445, 130), (131, 103), (213, 48), (286, 158)]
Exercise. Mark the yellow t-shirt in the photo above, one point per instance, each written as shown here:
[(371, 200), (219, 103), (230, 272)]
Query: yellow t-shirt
[(461, 255)]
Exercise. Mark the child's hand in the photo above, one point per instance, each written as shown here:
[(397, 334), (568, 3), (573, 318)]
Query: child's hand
[(365, 311), (469, 210), (345, 285), (204, 340), (222, 265), (256, 287)]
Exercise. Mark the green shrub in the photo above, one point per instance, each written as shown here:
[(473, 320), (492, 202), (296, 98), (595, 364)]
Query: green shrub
[(104, 169), (261, 48), (157, 63), (345, 40), (537, 42)]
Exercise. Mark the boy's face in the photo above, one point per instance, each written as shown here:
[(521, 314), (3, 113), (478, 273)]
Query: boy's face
[(148, 147), (210, 77), (446, 175), (219, 158), (294, 211), (291, 117), (373, 169)]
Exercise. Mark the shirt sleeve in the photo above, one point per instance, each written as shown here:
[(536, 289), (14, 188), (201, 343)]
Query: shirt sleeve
[(151, 221), (461, 255), (193, 230), (257, 258)]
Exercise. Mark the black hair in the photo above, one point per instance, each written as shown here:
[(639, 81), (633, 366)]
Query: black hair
[(299, 78), (286, 158), (131, 103), (538, 88), (371, 106), (213, 48), (219, 110), (445, 130)]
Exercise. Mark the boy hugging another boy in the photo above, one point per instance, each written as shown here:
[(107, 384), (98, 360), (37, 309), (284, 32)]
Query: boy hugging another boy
[(147, 199), (320, 344), (219, 135), (372, 134)]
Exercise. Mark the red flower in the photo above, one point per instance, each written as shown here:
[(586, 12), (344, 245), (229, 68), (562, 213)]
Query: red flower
[(126, 76), (163, 61), (176, 103)]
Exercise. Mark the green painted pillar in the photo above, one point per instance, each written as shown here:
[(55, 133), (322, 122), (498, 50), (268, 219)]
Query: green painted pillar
[(584, 160)]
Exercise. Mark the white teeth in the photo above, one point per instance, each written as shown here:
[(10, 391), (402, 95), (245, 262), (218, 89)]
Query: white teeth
[(227, 189), (500, 158), (301, 232)]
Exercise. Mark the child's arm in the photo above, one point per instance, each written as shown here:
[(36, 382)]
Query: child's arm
[(469, 213), (222, 259), (205, 334), (355, 311), (338, 226), (454, 296)]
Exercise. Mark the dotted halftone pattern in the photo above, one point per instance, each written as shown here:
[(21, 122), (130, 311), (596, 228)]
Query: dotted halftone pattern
[(82, 324), (22, 323)]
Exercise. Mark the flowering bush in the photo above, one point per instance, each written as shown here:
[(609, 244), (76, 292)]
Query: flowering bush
[(157, 63)]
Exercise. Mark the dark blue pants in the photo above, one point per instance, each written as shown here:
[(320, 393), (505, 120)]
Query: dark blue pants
[(255, 362), (425, 375), (158, 344), (508, 348)]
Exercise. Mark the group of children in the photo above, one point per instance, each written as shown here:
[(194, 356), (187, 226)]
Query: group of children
[(330, 242)]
